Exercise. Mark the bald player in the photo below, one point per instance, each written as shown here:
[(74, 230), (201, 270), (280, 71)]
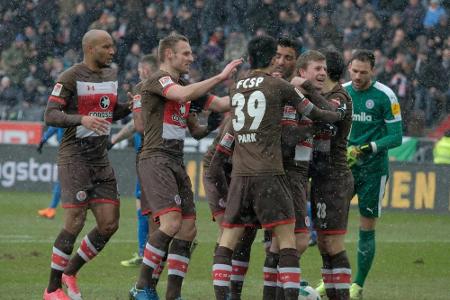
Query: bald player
[(84, 102)]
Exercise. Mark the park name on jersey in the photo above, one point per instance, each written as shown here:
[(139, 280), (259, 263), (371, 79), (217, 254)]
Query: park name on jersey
[(362, 117)]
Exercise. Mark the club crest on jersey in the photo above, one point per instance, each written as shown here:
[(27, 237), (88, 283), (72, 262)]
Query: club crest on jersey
[(177, 199), (104, 102), (81, 196), (165, 81), (57, 89), (370, 104)]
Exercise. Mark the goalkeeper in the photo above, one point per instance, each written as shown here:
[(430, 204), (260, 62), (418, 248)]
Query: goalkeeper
[(376, 127)]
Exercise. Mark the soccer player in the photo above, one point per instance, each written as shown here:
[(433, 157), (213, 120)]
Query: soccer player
[(376, 127), (331, 180), (165, 103), (258, 176), (84, 101), (50, 211)]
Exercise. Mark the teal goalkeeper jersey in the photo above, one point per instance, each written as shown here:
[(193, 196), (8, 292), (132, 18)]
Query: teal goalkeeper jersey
[(377, 121)]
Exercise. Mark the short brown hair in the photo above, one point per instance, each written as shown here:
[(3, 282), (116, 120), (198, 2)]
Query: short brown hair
[(305, 58), (169, 42), (150, 59)]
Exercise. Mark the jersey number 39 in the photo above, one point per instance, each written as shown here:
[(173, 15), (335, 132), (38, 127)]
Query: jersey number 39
[(255, 108)]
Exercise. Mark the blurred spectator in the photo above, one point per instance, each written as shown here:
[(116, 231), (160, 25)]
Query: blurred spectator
[(10, 97), (412, 15), (37, 43), (235, 46), (13, 60), (433, 13), (345, 14), (372, 34), (326, 34)]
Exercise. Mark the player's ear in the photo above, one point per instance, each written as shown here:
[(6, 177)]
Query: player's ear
[(168, 53)]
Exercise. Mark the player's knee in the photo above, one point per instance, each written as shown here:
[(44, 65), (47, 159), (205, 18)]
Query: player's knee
[(302, 241), (191, 233), (108, 228), (171, 227)]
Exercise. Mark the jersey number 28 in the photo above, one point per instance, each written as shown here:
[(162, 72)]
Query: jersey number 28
[(255, 108)]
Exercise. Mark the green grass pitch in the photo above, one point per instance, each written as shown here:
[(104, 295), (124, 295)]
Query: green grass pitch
[(412, 259)]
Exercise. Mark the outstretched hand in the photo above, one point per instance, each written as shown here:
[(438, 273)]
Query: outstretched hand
[(230, 69)]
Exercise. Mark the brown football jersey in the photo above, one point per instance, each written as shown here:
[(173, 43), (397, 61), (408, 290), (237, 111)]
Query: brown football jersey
[(224, 129), (79, 90), (257, 102), (165, 120), (338, 142)]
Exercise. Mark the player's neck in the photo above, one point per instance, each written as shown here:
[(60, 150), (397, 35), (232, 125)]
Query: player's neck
[(167, 68), (91, 65)]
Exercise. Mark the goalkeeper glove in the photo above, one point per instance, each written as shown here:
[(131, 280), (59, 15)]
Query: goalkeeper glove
[(366, 148), (353, 153)]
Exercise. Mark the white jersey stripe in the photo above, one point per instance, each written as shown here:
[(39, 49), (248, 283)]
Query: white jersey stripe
[(173, 132), (94, 88), (381, 194)]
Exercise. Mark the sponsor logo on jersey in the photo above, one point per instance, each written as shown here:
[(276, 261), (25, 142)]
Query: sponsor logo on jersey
[(370, 103), (57, 89), (104, 102), (362, 117), (395, 108), (165, 81), (289, 113), (227, 141), (137, 101), (101, 114)]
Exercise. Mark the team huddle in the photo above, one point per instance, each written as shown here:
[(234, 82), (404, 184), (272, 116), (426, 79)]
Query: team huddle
[(290, 135)]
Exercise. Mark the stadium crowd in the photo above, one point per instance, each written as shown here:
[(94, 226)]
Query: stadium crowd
[(39, 39)]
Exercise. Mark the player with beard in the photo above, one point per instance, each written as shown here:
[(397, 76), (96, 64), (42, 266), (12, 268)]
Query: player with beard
[(165, 108), (84, 101)]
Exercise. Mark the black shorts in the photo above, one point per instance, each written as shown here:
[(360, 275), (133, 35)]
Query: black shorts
[(166, 187), (259, 201), (330, 201), (298, 185), (83, 185)]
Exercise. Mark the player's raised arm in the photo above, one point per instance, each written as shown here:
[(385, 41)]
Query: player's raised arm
[(193, 91)]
